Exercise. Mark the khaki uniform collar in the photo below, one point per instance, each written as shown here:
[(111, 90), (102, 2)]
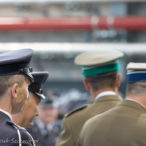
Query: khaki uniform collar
[(132, 104)]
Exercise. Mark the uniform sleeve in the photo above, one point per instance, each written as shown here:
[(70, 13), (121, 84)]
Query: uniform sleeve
[(65, 137)]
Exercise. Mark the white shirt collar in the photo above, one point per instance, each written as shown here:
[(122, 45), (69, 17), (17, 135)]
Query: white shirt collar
[(6, 113), (105, 93)]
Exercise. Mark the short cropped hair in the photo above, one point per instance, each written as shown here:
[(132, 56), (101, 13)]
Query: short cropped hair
[(98, 82), (8, 81), (134, 88)]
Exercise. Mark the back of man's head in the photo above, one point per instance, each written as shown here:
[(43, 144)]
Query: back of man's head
[(107, 80), (100, 69), (136, 79), (136, 88)]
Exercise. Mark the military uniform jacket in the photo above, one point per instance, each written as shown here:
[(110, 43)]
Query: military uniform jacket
[(74, 121), (11, 134), (124, 125)]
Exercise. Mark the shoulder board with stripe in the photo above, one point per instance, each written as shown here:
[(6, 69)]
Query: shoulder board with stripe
[(14, 125), (76, 110)]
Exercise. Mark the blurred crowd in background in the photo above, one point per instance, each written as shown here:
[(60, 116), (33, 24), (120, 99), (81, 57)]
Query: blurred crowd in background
[(47, 125)]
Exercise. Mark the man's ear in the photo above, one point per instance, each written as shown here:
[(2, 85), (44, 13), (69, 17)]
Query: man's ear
[(118, 81), (86, 84), (14, 90)]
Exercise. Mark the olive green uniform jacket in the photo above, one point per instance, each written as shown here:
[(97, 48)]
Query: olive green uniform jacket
[(73, 122), (124, 125)]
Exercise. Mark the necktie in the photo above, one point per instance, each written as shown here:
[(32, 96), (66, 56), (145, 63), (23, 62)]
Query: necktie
[(45, 130)]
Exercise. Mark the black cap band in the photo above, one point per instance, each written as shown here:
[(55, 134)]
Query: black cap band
[(27, 72), (16, 69)]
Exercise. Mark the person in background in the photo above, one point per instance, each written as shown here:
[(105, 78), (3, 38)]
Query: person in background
[(15, 77), (46, 127), (29, 109), (102, 80), (124, 125)]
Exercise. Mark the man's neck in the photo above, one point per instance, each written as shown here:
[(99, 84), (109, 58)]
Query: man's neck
[(17, 120), (5, 104), (139, 99)]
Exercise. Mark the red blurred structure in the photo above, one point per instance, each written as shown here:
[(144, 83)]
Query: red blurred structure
[(86, 23)]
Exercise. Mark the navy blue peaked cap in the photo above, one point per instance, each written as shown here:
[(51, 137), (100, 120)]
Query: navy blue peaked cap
[(16, 62), (47, 102), (36, 86)]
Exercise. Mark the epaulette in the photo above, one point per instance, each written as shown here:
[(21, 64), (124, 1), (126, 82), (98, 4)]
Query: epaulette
[(76, 110), (12, 124)]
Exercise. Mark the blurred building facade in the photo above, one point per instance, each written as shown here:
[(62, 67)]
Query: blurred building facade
[(72, 9)]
